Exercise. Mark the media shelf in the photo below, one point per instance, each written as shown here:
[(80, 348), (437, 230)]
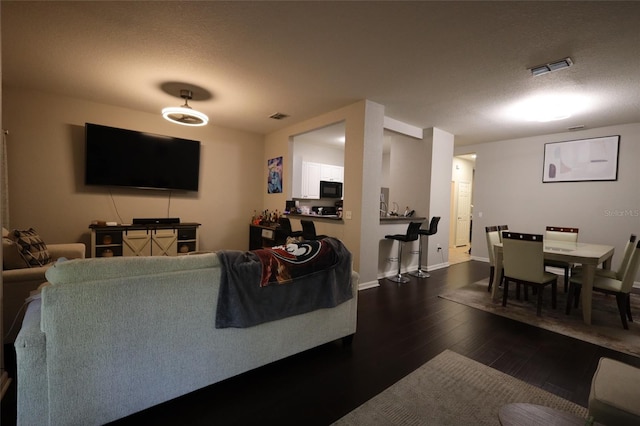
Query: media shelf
[(170, 239)]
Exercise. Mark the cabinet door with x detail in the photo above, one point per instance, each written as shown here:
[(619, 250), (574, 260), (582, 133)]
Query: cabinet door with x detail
[(164, 242)]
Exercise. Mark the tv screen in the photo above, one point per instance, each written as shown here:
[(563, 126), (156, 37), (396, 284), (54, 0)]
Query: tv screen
[(119, 157)]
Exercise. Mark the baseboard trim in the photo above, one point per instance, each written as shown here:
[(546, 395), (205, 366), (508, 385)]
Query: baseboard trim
[(370, 284)]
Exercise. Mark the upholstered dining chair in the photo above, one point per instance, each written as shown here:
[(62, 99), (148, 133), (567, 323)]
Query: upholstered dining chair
[(502, 228), (493, 238), (523, 263), (411, 235), (559, 233), (621, 288), (309, 230), (433, 228), (618, 273)]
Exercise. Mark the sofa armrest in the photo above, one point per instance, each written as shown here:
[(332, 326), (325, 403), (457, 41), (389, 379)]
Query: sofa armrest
[(69, 250), (31, 366)]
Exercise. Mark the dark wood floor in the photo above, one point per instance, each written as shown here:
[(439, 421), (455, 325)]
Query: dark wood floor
[(400, 327)]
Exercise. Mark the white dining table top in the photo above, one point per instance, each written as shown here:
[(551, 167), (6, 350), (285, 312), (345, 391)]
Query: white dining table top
[(575, 252)]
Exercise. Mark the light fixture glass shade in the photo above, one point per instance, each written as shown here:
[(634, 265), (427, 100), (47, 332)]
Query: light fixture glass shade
[(185, 115)]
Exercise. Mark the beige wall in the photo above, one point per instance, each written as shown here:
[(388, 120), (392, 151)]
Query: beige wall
[(509, 190), (362, 162), (46, 190)]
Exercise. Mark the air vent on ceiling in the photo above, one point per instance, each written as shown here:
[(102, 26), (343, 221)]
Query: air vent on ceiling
[(278, 116), (551, 66)]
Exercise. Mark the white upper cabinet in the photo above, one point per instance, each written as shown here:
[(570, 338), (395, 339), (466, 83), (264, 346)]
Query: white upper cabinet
[(331, 173)]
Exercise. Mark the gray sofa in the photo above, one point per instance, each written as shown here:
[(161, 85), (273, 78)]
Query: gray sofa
[(19, 283), (110, 337)]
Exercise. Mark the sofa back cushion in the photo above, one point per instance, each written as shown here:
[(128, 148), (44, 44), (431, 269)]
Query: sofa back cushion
[(11, 257), (82, 270)]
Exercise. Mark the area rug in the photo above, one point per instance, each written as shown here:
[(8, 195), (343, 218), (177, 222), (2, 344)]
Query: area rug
[(451, 389), (605, 329)]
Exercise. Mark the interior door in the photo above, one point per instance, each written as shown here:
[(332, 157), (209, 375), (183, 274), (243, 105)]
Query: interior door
[(463, 218)]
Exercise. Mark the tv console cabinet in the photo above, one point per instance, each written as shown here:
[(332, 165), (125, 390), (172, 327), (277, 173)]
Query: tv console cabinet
[(144, 240)]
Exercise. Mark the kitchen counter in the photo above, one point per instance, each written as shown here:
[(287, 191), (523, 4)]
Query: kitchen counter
[(401, 219), (314, 216)]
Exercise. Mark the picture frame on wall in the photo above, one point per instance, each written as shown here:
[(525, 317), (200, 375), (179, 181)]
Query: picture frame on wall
[(594, 159), (274, 175)]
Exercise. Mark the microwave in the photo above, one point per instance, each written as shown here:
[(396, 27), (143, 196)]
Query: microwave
[(330, 189)]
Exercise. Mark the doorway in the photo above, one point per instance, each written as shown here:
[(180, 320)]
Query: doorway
[(461, 212)]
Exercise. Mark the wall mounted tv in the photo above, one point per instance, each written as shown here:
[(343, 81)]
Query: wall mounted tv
[(119, 157)]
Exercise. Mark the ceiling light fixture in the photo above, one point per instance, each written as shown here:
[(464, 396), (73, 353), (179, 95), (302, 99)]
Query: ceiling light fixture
[(548, 107), (184, 114), (551, 66)]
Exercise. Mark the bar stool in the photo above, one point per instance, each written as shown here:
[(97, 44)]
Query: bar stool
[(411, 235), (433, 228)]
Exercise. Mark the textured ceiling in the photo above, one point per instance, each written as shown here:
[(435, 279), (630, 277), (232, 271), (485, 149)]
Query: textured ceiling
[(451, 65)]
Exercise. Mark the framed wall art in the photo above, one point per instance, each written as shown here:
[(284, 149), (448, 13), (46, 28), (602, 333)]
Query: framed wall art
[(274, 175), (581, 160)]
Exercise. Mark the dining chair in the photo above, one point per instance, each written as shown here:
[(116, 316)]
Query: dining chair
[(493, 238), (433, 228), (502, 228), (411, 235), (617, 274), (285, 226), (309, 230), (620, 288), (523, 263), (559, 233)]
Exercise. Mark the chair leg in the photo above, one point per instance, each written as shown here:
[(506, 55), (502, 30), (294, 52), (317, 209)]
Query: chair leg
[(539, 307), (622, 308), (505, 291), (399, 278), (420, 273), (629, 307), (492, 271), (569, 299), (566, 279)]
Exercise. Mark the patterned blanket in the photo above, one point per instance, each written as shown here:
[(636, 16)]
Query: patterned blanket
[(273, 283)]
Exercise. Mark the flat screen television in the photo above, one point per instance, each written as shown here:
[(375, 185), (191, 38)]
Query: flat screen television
[(119, 157)]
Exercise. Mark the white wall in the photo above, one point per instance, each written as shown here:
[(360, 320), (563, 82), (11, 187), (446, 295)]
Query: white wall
[(46, 160), (509, 190)]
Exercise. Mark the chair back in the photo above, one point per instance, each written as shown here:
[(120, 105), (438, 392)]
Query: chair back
[(631, 270), (433, 225), (523, 256), (559, 233), (493, 238), (413, 231), (285, 225), (626, 256), (502, 228), (308, 229)]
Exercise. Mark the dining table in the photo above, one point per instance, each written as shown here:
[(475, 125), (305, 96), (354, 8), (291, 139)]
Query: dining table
[(587, 254)]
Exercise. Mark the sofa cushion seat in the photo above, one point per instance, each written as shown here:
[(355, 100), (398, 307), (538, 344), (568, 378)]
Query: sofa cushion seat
[(615, 393)]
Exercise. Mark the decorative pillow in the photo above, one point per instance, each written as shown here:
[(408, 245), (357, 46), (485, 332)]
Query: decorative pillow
[(32, 248), (11, 256)]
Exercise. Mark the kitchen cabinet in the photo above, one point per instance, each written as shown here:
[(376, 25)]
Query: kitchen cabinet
[(311, 180), (311, 174), (331, 173)]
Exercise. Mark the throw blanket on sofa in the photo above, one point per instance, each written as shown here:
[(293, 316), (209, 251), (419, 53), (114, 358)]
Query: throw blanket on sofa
[(269, 284)]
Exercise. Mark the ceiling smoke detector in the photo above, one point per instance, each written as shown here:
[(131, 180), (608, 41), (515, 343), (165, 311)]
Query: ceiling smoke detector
[(184, 114), (551, 66), (278, 116)]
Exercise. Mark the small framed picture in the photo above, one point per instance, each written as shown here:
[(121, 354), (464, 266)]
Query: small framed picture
[(274, 175)]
